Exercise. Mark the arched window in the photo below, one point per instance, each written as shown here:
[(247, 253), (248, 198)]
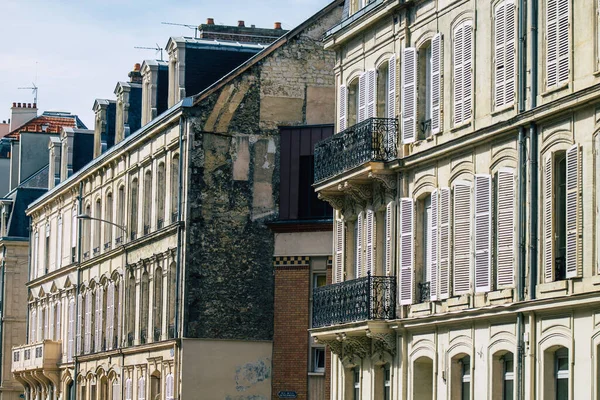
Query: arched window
[(424, 90), (422, 382), (74, 221), (169, 387), (97, 226), (108, 229), (155, 386), (87, 231), (174, 187), (133, 206), (59, 243), (32, 325), (461, 378), (503, 376), (352, 102), (382, 90), (128, 389), (145, 297), (160, 195), (130, 309), (47, 249), (89, 321), (172, 282), (157, 304), (120, 213), (426, 235), (142, 388), (147, 201)]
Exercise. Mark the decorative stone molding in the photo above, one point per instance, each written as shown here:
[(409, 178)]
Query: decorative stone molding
[(356, 346), (337, 202), (383, 343), (388, 180), (334, 345)]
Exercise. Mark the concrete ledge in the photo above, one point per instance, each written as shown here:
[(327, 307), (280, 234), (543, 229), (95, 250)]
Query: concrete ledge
[(501, 296), (458, 303), (550, 289), (420, 309)]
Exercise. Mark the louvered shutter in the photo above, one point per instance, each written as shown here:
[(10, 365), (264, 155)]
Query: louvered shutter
[(371, 92), (33, 333), (358, 237), (510, 53), (563, 40), (505, 227), (483, 233), (110, 315), (88, 322), (437, 62), (170, 387), (71, 330), (46, 316), (389, 238), (557, 42), (339, 251), (573, 256), (462, 237), (370, 233), (343, 106), (548, 219), (116, 391), (98, 318), (119, 292), (362, 97), (142, 388), (409, 95), (407, 249), (597, 167), (467, 70), (504, 53), (79, 325), (458, 74), (444, 263), (391, 100), (40, 325), (128, 389), (50, 331), (433, 250), (57, 335)]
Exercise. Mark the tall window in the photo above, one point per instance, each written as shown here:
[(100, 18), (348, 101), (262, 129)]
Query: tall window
[(120, 212), (318, 359), (128, 389), (426, 249), (423, 378), (157, 303), (59, 243), (358, 245), (172, 282), (504, 53), (508, 377), (561, 373), (352, 109), (74, 234), (97, 226), (35, 273), (174, 187), (87, 232), (147, 201), (463, 71), (133, 206), (141, 388), (131, 309), (557, 42), (466, 378), (71, 330), (160, 195), (383, 90), (109, 217), (424, 90), (356, 382), (155, 386), (47, 249), (387, 382), (144, 297)]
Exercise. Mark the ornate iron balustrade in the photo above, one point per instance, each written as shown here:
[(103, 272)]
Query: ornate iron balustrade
[(560, 268), (424, 292), (374, 139), (363, 299)]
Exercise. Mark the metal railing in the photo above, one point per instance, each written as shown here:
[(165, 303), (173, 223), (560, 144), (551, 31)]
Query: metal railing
[(424, 292), (107, 246), (374, 139), (560, 268), (160, 223), (174, 216), (362, 299)]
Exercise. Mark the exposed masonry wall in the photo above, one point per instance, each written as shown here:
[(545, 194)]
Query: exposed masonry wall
[(233, 180)]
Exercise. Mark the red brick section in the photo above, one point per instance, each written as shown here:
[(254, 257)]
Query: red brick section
[(290, 338), (327, 352), (44, 124)]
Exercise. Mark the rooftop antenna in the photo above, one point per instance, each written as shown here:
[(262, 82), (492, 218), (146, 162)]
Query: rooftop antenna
[(157, 48), (34, 91), (194, 27)]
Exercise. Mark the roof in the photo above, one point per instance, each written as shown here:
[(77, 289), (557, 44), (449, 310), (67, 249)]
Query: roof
[(215, 44), (48, 122), (265, 52), (18, 224)]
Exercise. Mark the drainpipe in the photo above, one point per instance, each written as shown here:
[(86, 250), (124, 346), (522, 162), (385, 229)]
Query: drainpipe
[(522, 196), (534, 53), (3, 299), (78, 324), (182, 121), (533, 211), (522, 65)]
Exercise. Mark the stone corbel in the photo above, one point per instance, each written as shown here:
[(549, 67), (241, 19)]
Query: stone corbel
[(388, 180), (356, 346), (337, 202), (383, 343), (361, 194), (334, 345)]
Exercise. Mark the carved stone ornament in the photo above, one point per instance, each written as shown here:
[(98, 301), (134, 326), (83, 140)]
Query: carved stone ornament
[(334, 345), (356, 346), (361, 194), (388, 180), (383, 343), (337, 202)]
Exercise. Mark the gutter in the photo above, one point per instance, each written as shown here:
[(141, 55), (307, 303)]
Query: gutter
[(2, 307), (77, 292)]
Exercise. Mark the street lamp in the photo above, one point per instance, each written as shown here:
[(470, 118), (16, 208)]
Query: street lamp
[(86, 217)]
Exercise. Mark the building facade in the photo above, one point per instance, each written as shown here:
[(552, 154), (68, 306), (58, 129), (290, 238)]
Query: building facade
[(464, 182)]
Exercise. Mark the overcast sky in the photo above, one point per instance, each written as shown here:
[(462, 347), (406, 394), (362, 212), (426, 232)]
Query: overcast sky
[(82, 48)]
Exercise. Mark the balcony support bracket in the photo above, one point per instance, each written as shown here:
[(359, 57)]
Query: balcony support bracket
[(383, 343), (337, 202)]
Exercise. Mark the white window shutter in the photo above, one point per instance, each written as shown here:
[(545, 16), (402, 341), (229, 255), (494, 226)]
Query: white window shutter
[(57, 335), (128, 389), (339, 250), (391, 100), (98, 318), (433, 243), (371, 90), (409, 95), (548, 219), (483, 233), (444, 263), (59, 244), (407, 250), (551, 43), (458, 74), (116, 390), (499, 53), (33, 332), (510, 53), (343, 107), (50, 314), (437, 62), (467, 70), (462, 237), (362, 97), (563, 40), (358, 229), (170, 387), (141, 389), (119, 292), (40, 325), (88, 322), (505, 227), (110, 315), (390, 211), (370, 233), (71, 330), (573, 248), (79, 324)]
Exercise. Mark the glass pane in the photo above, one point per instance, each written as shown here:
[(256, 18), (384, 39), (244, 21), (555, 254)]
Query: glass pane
[(508, 390), (563, 364), (466, 395), (562, 389), (319, 359), (508, 366), (320, 280)]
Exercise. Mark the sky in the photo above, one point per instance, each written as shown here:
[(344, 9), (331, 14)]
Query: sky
[(77, 50)]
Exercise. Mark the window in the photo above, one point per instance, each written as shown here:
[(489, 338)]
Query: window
[(557, 42), (388, 229), (505, 227), (407, 250), (319, 280), (99, 319), (318, 357), (109, 217), (409, 95), (131, 309), (358, 245), (387, 386), (356, 382), (160, 195), (35, 255), (120, 212), (71, 330), (466, 378), (97, 226), (169, 387), (128, 389), (462, 72), (172, 282), (462, 237), (157, 304), (147, 201), (144, 297), (32, 326), (339, 243), (142, 389), (74, 234), (504, 53), (59, 243), (133, 206), (47, 249), (424, 90), (426, 251), (561, 374), (383, 79), (155, 386), (353, 102), (110, 316), (508, 387), (423, 378), (87, 232), (174, 187)]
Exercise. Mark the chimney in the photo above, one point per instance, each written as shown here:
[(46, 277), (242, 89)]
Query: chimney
[(241, 24), (20, 114), (210, 21), (277, 25), (135, 76)]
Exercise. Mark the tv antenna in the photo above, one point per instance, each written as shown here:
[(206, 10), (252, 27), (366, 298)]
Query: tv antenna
[(34, 91), (194, 27), (158, 49)]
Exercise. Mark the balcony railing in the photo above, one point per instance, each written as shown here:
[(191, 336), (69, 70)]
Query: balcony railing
[(424, 292), (374, 139), (363, 299)]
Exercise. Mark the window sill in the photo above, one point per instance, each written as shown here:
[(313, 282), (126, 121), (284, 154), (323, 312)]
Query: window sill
[(504, 109), (552, 288), (555, 89), (460, 127), (316, 373)]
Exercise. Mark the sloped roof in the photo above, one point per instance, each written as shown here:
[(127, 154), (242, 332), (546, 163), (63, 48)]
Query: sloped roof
[(48, 122)]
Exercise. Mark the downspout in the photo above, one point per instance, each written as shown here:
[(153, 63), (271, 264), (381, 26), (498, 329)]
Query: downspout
[(534, 53), (522, 65), (3, 300), (77, 325), (179, 229), (533, 211), (522, 197)]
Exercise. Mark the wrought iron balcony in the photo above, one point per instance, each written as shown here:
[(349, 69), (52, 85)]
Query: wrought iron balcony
[(363, 299), (374, 139), (560, 268), (174, 217), (424, 292)]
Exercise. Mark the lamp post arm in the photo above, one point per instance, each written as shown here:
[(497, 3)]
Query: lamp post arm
[(103, 220)]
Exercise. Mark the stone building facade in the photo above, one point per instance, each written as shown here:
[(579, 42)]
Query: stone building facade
[(463, 178), (155, 260)]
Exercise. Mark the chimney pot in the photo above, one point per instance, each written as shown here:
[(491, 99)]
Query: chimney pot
[(34, 105), (277, 25), (18, 105), (28, 105), (241, 24), (210, 21), (14, 104), (137, 67)]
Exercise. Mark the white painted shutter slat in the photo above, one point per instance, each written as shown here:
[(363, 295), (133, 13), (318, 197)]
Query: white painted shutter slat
[(370, 233), (444, 263), (551, 43), (110, 315), (510, 53), (79, 324), (548, 238), (170, 387), (343, 107), (391, 100), (128, 389), (500, 53), (505, 227), (563, 40), (390, 210), (358, 229), (371, 92), (57, 327), (483, 233), (339, 250), (436, 83), (40, 325), (98, 318), (458, 74), (462, 237), (50, 331), (120, 292), (46, 319), (116, 391), (407, 249), (433, 242), (467, 70), (33, 332), (142, 388), (409, 95), (573, 253), (71, 330), (362, 97), (88, 322)]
